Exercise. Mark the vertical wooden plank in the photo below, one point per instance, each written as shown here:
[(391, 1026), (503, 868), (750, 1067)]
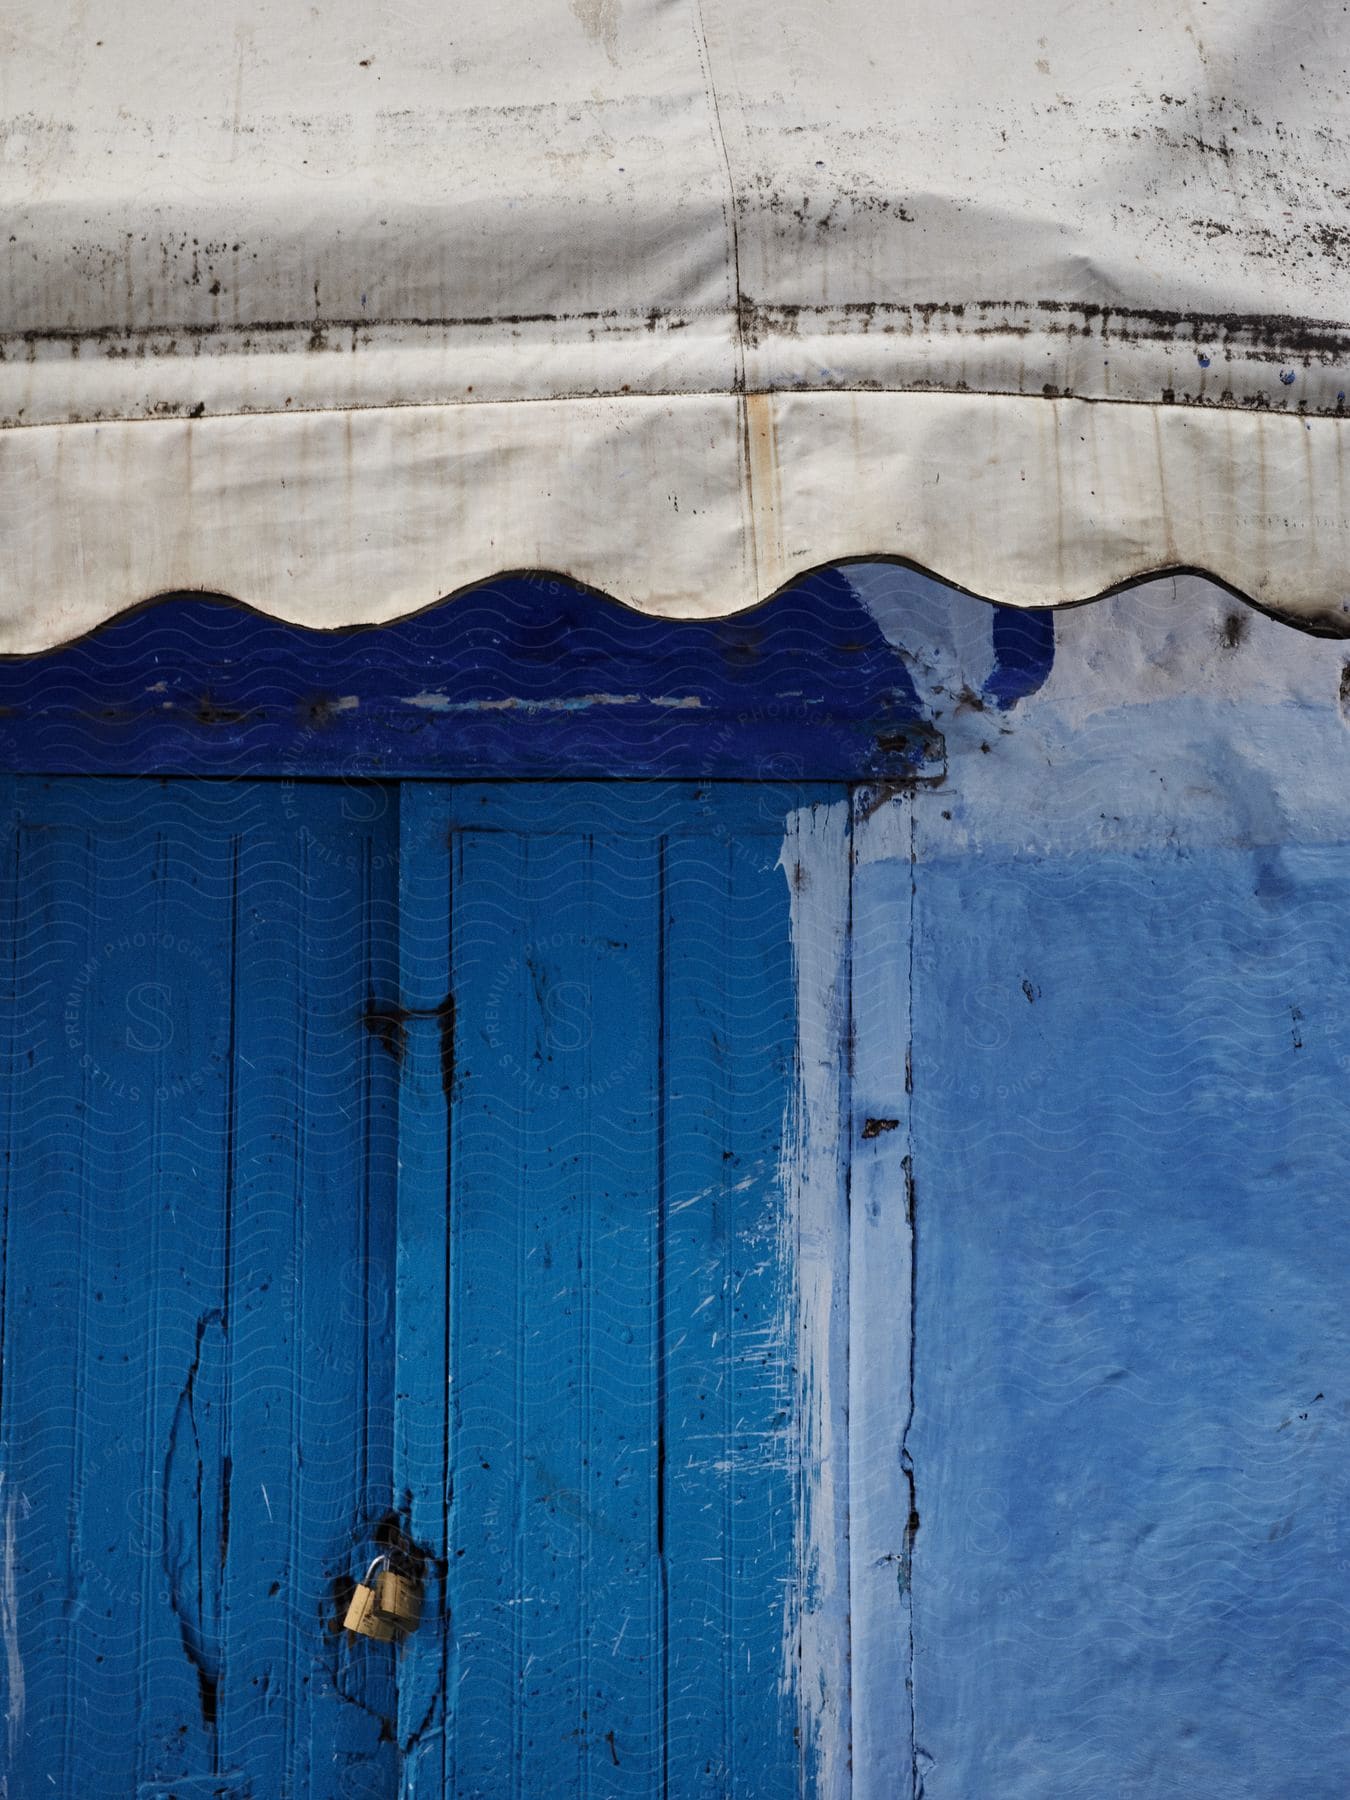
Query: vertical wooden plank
[(883, 1515), (37, 1473), (115, 1042), (13, 1693), (423, 1030), (553, 1177), (169, 1021), (308, 1306), (732, 1444), (188, 1136)]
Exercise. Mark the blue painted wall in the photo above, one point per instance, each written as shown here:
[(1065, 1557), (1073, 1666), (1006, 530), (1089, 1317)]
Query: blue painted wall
[(1130, 1159)]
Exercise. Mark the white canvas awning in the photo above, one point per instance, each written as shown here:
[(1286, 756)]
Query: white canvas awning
[(340, 308)]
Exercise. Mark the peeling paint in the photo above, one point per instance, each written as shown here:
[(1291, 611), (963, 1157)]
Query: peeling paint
[(442, 703), (815, 1227), (15, 1694)]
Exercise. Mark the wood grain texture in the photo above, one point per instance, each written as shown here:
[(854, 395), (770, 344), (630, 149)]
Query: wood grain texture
[(196, 1429), (622, 1501), (589, 1366)]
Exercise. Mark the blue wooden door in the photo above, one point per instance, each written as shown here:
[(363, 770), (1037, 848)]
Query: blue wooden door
[(436, 1167), (198, 1324), (601, 1426)]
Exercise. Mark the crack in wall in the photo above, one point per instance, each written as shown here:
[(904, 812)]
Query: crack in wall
[(911, 1214)]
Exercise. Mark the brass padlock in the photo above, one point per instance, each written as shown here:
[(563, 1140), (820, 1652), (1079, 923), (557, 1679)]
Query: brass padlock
[(363, 1615), (399, 1600)]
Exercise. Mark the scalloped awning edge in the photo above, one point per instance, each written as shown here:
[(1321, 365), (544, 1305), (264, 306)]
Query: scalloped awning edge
[(686, 506)]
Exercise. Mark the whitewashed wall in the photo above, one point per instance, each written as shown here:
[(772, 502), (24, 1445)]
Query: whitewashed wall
[(1130, 1046)]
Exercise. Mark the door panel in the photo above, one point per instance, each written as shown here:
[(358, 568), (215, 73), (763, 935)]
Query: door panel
[(197, 1435), (605, 1447)]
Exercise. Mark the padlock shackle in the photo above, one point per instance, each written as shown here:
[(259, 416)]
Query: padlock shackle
[(383, 1557)]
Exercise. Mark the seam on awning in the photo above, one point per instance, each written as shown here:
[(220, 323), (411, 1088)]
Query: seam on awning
[(665, 395)]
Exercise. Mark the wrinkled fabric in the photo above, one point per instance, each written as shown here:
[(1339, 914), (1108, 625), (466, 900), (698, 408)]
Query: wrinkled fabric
[(339, 313)]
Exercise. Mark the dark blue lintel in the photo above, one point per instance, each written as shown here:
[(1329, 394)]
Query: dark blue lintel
[(524, 677)]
